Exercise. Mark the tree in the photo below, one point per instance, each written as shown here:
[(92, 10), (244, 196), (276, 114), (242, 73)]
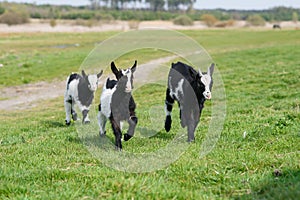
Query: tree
[(256, 20), (295, 17), (2, 10), (94, 4), (174, 4), (156, 4)]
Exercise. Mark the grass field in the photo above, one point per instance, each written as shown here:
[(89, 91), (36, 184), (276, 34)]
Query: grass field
[(256, 157)]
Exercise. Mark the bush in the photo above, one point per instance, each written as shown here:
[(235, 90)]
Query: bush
[(256, 20), (11, 17), (52, 23), (183, 20), (88, 23), (295, 17), (2, 10), (224, 24), (134, 24), (104, 17), (209, 20)]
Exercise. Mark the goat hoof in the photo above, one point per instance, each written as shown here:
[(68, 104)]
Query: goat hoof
[(191, 140), (168, 123), (127, 137), (167, 128), (86, 122), (74, 116), (102, 134), (118, 149), (68, 123)]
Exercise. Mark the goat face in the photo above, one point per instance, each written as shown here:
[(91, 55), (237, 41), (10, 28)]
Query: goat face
[(92, 80), (124, 76), (205, 82)]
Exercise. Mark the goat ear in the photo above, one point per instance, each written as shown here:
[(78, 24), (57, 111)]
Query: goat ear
[(99, 74), (83, 73), (200, 73), (114, 69), (133, 68), (210, 70)]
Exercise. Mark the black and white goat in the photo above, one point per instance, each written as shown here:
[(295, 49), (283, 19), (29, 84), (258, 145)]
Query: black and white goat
[(80, 90), (117, 104), (190, 89)]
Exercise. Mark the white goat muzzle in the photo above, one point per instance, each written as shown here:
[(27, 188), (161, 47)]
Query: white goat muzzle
[(93, 82), (206, 80), (128, 75)]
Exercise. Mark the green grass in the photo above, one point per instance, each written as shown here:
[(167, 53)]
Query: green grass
[(43, 159)]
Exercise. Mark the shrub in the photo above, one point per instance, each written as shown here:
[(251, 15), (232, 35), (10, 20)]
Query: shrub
[(221, 24), (88, 23), (104, 17), (2, 10), (183, 20), (134, 24), (209, 20), (52, 23), (256, 20), (295, 17), (230, 22), (12, 17)]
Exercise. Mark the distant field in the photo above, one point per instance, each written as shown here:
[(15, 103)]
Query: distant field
[(256, 157)]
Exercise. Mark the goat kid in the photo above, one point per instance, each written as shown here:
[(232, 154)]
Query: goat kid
[(117, 104), (80, 89), (190, 89)]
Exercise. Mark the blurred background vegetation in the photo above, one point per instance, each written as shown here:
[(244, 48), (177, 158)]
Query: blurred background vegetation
[(179, 11)]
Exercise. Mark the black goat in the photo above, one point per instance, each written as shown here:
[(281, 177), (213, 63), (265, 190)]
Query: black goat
[(117, 104), (190, 89)]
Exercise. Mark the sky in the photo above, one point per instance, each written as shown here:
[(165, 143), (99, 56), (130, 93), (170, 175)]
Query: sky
[(201, 4)]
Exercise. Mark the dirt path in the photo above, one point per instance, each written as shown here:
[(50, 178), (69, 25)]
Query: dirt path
[(27, 96)]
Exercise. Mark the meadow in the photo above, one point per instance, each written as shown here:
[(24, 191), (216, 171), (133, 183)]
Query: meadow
[(256, 157)]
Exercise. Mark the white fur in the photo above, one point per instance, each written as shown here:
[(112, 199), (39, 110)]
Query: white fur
[(105, 112), (71, 93), (93, 80), (206, 79), (129, 74), (178, 90), (168, 113), (105, 100)]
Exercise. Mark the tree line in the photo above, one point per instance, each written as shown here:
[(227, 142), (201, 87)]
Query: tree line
[(154, 5), (107, 10)]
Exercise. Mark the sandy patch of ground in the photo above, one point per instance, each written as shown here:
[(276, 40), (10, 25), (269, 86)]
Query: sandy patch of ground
[(69, 26)]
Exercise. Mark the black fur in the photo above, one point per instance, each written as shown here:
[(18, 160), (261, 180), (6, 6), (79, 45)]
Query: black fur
[(72, 77), (85, 95), (276, 26), (110, 84), (123, 109), (84, 114), (191, 101), (122, 106)]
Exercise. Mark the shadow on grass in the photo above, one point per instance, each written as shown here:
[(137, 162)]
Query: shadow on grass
[(279, 185), (163, 135), (53, 124), (103, 142)]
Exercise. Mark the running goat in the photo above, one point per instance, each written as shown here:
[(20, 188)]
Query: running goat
[(80, 90), (117, 104), (190, 89)]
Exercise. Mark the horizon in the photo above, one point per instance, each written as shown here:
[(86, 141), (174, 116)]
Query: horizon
[(212, 4)]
